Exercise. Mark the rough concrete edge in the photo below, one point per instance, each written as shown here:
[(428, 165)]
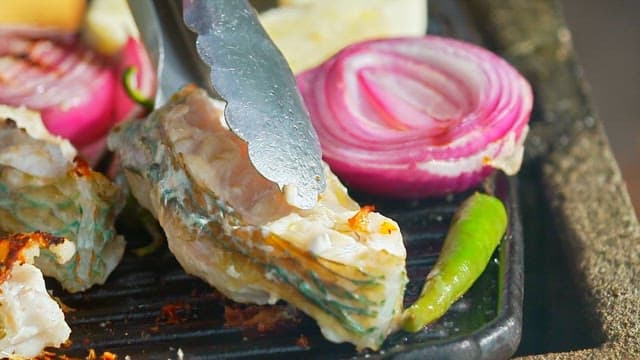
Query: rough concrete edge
[(582, 181), (600, 230)]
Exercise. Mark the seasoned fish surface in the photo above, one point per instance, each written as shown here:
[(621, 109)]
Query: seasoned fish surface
[(43, 188), (225, 223), (30, 319)]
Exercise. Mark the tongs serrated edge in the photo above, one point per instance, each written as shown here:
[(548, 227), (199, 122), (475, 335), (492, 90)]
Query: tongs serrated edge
[(264, 107)]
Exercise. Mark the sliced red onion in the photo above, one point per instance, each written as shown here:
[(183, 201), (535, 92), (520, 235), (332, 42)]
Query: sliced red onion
[(70, 85), (134, 54), (413, 117), (34, 32), (77, 91)]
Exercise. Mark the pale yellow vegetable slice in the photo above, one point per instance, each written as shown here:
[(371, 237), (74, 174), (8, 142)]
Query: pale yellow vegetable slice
[(108, 25), (310, 31)]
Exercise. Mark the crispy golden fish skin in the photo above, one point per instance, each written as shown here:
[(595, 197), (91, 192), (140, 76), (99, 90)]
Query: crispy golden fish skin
[(342, 265), (43, 187)]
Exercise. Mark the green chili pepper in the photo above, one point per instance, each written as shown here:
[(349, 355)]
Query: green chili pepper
[(134, 216), (129, 82), (476, 230), (154, 230)]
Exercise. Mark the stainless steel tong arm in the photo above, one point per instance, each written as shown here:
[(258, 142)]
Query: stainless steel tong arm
[(229, 54)]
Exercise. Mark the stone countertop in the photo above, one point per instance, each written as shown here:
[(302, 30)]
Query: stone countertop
[(581, 185)]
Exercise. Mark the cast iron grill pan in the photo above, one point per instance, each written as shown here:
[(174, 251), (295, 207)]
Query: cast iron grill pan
[(124, 316)]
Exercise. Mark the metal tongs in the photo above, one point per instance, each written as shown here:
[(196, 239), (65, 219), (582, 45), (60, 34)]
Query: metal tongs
[(220, 46)]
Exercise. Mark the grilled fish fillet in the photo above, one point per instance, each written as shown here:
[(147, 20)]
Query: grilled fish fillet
[(43, 188), (30, 319), (342, 265)]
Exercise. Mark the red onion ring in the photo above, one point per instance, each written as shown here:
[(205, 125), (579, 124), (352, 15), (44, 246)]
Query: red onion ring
[(70, 85), (414, 117), (77, 91)]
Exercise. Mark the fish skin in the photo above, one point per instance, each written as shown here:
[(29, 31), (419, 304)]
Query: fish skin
[(41, 188)]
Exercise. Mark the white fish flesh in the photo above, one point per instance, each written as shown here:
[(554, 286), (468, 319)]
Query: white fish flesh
[(30, 319)]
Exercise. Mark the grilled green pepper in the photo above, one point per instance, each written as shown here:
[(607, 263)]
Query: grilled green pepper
[(476, 230), (129, 81)]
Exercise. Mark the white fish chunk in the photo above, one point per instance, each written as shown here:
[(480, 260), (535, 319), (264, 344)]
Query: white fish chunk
[(30, 319), (44, 187)]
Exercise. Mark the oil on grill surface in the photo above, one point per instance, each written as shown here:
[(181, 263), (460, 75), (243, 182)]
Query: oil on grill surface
[(125, 315)]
